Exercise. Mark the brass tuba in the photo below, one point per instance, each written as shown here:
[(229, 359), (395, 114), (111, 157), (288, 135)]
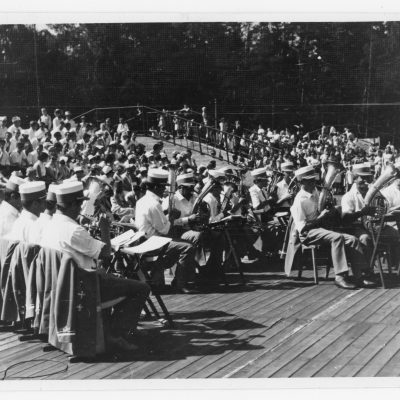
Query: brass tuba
[(374, 197), (325, 196)]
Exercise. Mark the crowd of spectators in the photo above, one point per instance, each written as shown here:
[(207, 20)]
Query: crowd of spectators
[(56, 148)]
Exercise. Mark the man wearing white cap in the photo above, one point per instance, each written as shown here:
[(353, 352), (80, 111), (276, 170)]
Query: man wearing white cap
[(64, 234), (10, 206), (25, 228), (354, 207), (151, 220), (284, 197), (309, 223), (46, 216), (258, 197)]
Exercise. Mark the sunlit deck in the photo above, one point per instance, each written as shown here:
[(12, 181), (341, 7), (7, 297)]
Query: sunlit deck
[(273, 327)]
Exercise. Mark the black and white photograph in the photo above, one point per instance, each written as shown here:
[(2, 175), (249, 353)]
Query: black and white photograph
[(200, 199)]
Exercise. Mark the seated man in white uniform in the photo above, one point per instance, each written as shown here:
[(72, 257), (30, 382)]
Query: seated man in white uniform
[(354, 207), (309, 223), (151, 220), (47, 214), (262, 207), (64, 234), (392, 195), (284, 197), (11, 205), (25, 228)]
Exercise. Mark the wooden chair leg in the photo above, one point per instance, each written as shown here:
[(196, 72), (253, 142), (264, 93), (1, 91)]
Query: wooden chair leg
[(301, 270), (328, 268), (378, 259), (316, 281), (389, 261)]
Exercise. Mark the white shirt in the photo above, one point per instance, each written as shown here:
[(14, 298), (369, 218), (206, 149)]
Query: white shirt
[(352, 201), (282, 192), (149, 216), (46, 119), (42, 223), (392, 195), (66, 235), (25, 228), (304, 208), (214, 205), (8, 215), (183, 205), (257, 196)]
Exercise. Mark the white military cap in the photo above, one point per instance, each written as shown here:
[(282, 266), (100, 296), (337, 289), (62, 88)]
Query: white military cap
[(69, 191), (32, 191), (185, 180), (158, 175), (287, 166), (13, 183), (363, 169), (259, 172), (306, 173)]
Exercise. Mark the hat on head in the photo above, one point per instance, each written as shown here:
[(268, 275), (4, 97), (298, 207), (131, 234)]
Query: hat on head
[(3, 118), (69, 191), (158, 175), (32, 191), (185, 180), (15, 119), (13, 183), (78, 168), (259, 173), (305, 173), (51, 194), (287, 167), (363, 169), (216, 174), (142, 169)]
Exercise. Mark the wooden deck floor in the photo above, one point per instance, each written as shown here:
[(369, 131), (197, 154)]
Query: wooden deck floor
[(273, 327)]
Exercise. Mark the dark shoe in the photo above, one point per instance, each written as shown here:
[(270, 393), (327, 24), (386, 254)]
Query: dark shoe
[(344, 283)]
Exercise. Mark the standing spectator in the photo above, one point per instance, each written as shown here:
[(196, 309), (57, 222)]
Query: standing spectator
[(45, 119), (57, 119), (15, 127), (122, 126), (69, 120), (4, 158), (3, 127)]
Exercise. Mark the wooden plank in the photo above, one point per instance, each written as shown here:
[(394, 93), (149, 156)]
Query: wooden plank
[(98, 373), (330, 348), (78, 370), (381, 358), (367, 354), (381, 298), (143, 370), (386, 309), (198, 364), (392, 367), (334, 364), (293, 348)]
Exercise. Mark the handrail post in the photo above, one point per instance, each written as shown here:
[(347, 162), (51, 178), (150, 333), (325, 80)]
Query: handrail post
[(199, 139)]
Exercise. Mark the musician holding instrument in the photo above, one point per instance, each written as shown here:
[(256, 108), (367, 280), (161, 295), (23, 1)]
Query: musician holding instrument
[(354, 207), (284, 195), (64, 234), (310, 224), (151, 220)]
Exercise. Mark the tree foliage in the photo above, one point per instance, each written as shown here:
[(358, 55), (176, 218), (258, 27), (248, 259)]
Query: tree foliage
[(266, 64)]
